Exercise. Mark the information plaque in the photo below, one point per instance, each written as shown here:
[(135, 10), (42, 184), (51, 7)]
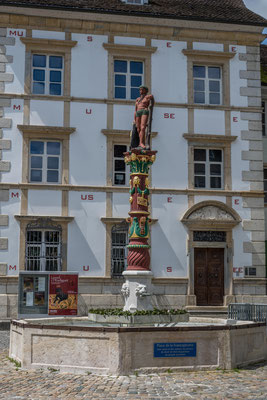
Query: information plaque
[(175, 349)]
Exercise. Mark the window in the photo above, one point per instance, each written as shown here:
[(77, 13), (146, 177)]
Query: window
[(129, 66), (47, 74), (119, 236), (265, 185), (43, 249), (49, 62), (208, 167), (207, 84), (45, 161), (120, 172), (264, 124), (128, 76), (135, 1), (250, 271)]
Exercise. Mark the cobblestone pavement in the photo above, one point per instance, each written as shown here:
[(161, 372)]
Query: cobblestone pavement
[(15, 383)]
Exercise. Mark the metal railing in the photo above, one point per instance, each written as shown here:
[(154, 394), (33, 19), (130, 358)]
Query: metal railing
[(248, 312)]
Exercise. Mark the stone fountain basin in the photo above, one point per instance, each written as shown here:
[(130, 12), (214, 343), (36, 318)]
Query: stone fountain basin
[(139, 319), (75, 345)]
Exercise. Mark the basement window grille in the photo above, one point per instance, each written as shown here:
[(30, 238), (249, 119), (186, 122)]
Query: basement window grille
[(119, 236), (43, 249)]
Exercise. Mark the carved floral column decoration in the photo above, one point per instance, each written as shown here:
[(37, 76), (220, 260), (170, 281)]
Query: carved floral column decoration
[(138, 255)]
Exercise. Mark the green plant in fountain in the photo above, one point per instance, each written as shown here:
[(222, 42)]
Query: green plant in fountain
[(119, 312)]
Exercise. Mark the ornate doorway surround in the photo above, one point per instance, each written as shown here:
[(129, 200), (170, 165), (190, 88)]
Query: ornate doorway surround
[(210, 225)]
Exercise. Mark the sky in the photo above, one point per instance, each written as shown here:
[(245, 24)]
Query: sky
[(259, 7)]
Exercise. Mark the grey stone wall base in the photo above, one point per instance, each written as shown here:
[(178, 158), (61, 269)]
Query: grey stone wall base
[(3, 270), (260, 299), (8, 306)]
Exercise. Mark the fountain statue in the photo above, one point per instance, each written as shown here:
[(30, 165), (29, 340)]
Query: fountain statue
[(137, 288)]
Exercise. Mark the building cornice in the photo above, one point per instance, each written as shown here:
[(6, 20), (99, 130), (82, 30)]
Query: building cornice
[(203, 138), (123, 189), (159, 104), (45, 130), (54, 218), (138, 18)]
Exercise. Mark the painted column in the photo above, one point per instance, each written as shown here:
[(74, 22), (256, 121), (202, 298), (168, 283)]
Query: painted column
[(137, 288)]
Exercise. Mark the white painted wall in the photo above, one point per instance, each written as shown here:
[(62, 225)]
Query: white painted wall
[(240, 258), (48, 35), (44, 202), (15, 154), (237, 205), (89, 66), (123, 117), (86, 234), (121, 205), (198, 199), (169, 72), (235, 82), (132, 41), (18, 66), (169, 237), (239, 165), (170, 169), (46, 112), (88, 144), (11, 232), (208, 46), (210, 122)]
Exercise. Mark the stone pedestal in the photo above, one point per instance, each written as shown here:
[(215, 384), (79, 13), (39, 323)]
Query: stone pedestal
[(137, 290)]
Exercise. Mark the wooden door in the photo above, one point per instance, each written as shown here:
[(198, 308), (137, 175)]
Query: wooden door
[(209, 276)]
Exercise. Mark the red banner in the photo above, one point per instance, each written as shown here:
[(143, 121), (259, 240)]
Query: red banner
[(63, 294)]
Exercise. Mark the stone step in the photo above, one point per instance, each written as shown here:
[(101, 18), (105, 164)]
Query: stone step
[(213, 312)]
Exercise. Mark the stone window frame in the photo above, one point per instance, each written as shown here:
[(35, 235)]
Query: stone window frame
[(210, 141), (43, 245), (48, 47), (32, 132), (209, 58), (41, 221), (130, 53)]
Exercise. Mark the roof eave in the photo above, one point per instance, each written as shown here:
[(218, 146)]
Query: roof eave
[(134, 14)]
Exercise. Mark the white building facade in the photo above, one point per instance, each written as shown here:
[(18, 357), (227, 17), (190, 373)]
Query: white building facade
[(68, 86)]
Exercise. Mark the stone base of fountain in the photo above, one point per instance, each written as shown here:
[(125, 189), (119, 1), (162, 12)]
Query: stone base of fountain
[(137, 290), (75, 345)]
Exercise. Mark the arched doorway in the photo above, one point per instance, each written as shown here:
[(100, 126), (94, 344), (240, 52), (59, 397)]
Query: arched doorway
[(210, 249)]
